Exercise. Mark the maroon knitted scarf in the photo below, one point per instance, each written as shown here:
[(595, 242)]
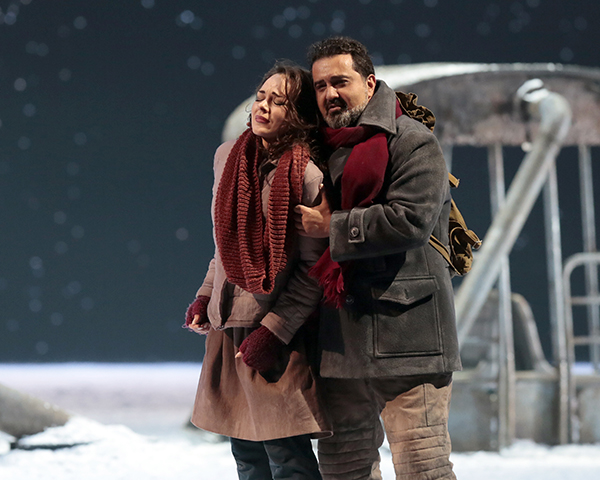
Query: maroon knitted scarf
[(254, 249), (361, 182)]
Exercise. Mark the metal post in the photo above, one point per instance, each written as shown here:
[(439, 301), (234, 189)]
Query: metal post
[(554, 260), (588, 217), (566, 390), (506, 360), (556, 294)]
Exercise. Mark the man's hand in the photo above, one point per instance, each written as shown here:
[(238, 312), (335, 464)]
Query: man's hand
[(314, 222)]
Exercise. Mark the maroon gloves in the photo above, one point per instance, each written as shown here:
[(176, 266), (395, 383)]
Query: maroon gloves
[(260, 350), (197, 307)]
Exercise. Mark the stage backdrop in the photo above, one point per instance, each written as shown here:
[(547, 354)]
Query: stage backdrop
[(110, 112)]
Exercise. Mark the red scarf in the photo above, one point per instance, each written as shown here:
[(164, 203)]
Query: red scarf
[(361, 182), (253, 249)]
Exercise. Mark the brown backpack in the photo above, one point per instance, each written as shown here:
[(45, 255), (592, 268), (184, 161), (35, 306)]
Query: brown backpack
[(461, 240)]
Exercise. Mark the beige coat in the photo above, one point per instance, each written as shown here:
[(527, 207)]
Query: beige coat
[(233, 399)]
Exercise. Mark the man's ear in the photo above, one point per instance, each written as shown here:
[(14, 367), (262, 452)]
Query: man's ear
[(371, 82)]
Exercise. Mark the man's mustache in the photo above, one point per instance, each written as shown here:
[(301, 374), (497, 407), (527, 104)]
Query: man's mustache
[(336, 102)]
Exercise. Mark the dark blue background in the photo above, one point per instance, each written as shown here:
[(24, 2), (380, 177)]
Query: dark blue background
[(110, 111)]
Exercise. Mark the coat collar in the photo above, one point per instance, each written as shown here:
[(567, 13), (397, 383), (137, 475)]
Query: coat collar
[(381, 109)]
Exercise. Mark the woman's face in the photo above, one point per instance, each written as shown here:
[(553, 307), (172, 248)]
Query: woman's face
[(270, 109)]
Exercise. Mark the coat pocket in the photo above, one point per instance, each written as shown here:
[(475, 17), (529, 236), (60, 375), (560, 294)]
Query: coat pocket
[(405, 317)]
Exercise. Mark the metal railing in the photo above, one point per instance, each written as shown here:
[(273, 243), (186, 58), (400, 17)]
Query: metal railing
[(589, 246), (589, 260)]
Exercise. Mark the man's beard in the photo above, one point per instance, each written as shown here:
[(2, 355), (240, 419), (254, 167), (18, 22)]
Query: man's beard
[(346, 117)]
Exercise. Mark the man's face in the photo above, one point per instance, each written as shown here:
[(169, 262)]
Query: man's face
[(342, 92)]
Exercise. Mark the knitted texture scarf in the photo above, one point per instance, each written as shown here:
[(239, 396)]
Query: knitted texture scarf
[(361, 182), (254, 249)]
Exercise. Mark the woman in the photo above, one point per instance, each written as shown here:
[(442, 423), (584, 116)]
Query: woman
[(256, 384)]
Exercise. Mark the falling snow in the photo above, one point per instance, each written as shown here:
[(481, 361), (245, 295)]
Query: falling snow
[(108, 122)]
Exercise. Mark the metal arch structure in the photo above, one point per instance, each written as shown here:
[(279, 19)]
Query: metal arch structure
[(543, 106)]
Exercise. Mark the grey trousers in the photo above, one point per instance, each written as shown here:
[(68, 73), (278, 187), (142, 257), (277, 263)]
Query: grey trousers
[(414, 410)]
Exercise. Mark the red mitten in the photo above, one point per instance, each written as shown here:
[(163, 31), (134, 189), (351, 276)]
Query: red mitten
[(260, 350), (197, 307)]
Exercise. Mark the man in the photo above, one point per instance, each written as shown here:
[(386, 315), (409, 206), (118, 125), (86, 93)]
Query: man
[(389, 346)]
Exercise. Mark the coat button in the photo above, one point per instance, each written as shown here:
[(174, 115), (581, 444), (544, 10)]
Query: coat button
[(354, 231), (349, 300)]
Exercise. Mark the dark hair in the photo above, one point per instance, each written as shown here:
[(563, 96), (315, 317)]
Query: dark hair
[(332, 46), (302, 115)]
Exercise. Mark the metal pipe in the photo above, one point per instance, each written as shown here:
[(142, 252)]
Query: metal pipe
[(588, 217), (506, 350), (556, 294), (555, 119), (554, 262)]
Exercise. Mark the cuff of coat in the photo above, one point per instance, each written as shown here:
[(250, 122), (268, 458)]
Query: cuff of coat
[(276, 324), (347, 227)]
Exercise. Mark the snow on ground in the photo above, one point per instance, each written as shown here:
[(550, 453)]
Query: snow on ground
[(148, 442), (115, 452), (147, 397)]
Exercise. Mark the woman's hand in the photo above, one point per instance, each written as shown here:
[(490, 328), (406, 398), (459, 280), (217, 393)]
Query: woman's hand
[(196, 319), (199, 328), (260, 350)]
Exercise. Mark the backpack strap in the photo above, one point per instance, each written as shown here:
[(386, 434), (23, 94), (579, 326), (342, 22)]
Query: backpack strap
[(439, 246), (454, 182)]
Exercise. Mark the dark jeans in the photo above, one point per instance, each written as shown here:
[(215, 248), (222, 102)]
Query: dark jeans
[(289, 458)]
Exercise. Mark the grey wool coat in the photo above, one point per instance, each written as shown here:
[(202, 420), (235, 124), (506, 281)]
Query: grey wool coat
[(399, 313)]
